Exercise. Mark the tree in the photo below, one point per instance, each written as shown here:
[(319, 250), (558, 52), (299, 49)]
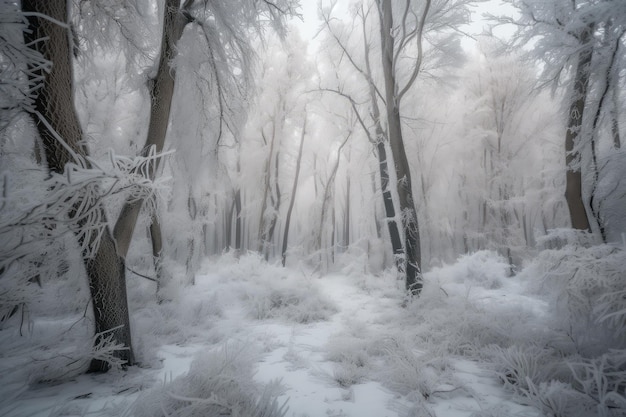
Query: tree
[(62, 138), (579, 41), (394, 92), (63, 142), (404, 37), (292, 198), (505, 153)]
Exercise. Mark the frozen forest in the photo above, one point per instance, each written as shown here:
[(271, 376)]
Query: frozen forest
[(312, 208)]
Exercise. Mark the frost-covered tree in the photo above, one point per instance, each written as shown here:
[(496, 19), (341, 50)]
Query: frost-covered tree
[(581, 45), (225, 28), (408, 35), (271, 140), (508, 124), (63, 143)]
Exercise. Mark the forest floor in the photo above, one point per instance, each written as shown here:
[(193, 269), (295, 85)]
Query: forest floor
[(338, 345)]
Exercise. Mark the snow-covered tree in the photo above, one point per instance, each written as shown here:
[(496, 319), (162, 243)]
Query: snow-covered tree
[(411, 37), (49, 33), (581, 45)]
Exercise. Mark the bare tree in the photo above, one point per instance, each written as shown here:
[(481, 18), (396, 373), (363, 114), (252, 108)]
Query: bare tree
[(377, 137), (403, 45)]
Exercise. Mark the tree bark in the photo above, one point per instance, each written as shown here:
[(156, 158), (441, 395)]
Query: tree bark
[(573, 175), (383, 163), (161, 94), (412, 262), (55, 103)]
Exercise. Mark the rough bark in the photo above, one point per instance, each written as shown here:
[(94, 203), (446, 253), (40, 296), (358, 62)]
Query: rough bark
[(573, 176), (156, 238), (390, 211), (606, 85), (57, 119)]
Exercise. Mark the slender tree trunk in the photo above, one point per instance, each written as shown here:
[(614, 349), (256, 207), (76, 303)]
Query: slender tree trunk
[(161, 94), (573, 176), (413, 275), (238, 222), (275, 201), (617, 142), (55, 104), (346, 222), (607, 80), (293, 195), (328, 194), (383, 163), (271, 195), (156, 237), (390, 211)]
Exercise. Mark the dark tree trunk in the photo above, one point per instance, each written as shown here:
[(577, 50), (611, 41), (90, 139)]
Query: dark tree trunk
[(412, 262), (55, 105), (390, 211), (573, 176), (161, 94)]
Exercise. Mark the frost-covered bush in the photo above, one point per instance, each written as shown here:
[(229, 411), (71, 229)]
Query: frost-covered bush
[(461, 320), (585, 289), (519, 365), (302, 304), (580, 368), (558, 399), (351, 357), (270, 291), (177, 321), (218, 383), (603, 380), (409, 372), (483, 268)]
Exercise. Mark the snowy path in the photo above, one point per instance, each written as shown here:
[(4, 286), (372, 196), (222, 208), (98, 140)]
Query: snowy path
[(312, 381), (339, 366), (309, 376)]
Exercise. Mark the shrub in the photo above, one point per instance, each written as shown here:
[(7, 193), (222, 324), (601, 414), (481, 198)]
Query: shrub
[(585, 289), (217, 384)]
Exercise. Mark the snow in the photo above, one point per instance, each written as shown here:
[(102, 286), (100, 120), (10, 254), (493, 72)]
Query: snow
[(360, 354)]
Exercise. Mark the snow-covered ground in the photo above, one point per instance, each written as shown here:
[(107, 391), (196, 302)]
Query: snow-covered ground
[(335, 345)]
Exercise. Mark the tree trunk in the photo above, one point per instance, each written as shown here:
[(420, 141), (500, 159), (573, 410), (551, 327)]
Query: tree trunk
[(573, 175), (617, 142), (293, 195), (412, 262), (328, 195), (161, 93), (55, 104), (271, 195), (346, 221), (383, 163), (238, 222), (390, 211)]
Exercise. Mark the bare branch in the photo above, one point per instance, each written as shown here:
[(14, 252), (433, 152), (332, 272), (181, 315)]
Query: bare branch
[(420, 53)]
